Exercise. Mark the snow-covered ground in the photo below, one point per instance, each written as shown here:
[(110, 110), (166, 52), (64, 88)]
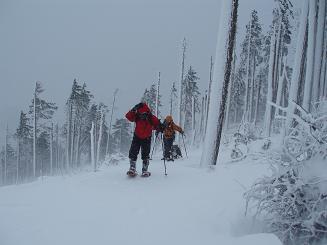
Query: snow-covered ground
[(191, 205)]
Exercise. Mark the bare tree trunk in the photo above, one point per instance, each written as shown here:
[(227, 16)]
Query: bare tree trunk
[(246, 110), (92, 148), (323, 85), (307, 98), (280, 89), (34, 134), (202, 118), (208, 96), (268, 120), (157, 96), (180, 99), (319, 49), (57, 148), (78, 143), (110, 122), (193, 121), (171, 102), (223, 65), (6, 154), (99, 138), (230, 96), (252, 89), (69, 132), (18, 159), (51, 150), (256, 109), (72, 144), (298, 61)]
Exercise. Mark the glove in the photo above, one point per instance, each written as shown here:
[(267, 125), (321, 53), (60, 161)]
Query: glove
[(161, 127), (136, 107), (182, 132)]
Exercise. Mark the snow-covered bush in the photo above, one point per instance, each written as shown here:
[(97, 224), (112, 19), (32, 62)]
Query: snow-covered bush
[(293, 201), (294, 208), (250, 131), (246, 133), (308, 138)]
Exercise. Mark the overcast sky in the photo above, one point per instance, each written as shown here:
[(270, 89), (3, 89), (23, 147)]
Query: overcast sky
[(106, 43)]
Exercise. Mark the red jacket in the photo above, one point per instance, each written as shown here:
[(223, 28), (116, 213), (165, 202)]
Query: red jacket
[(143, 128)]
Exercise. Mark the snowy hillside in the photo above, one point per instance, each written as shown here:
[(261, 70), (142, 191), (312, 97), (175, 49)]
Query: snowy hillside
[(189, 206)]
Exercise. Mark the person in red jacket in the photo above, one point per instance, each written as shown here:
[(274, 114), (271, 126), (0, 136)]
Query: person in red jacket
[(145, 122)]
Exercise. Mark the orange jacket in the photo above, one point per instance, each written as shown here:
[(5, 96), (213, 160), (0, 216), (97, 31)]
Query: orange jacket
[(170, 128)]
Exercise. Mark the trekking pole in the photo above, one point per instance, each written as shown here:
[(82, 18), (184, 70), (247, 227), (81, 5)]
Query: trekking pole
[(154, 146), (164, 159), (184, 145)]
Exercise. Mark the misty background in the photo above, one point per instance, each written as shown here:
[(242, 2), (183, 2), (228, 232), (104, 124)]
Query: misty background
[(107, 44)]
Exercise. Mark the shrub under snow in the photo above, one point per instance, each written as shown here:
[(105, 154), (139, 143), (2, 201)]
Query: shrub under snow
[(293, 201)]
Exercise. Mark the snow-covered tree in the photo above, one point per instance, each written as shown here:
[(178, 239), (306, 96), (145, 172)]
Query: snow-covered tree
[(150, 97), (173, 99), (24, 148), (77, 131), (122, 136), (191, 91), (41, 111)]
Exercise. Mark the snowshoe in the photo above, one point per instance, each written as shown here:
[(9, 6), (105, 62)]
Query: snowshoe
[(131, 173), (146, 174)]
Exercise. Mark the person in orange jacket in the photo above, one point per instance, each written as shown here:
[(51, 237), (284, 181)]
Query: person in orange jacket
[(168, 131)]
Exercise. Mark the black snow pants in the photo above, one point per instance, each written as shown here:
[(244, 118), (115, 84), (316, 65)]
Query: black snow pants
[(144, 144), (168, 143)]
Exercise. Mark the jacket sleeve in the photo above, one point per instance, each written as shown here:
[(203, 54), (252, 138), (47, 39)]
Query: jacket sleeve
[(156, 122), (177, 128), (130, 116)]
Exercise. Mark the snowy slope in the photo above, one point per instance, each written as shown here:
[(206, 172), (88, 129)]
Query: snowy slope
[(189, 206)]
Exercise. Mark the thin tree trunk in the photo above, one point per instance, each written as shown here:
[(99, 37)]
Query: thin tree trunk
[(270, 83), (280, 89), (252, 90), (34, 134), (230, 96), (180, 99), (57, 148), (78, 142), (18, 159), (246, 110), (256, 109), (323, 85), (72, 142), (110, 122), (208, 96), (171, 101), (157, 96), (92, 148), (51, 150), (6, 154), (99, 138), (193, 120), (202, 118), (69, 132)]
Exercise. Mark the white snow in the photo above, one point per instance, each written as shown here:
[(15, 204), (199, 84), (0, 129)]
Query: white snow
[(191, 205)]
